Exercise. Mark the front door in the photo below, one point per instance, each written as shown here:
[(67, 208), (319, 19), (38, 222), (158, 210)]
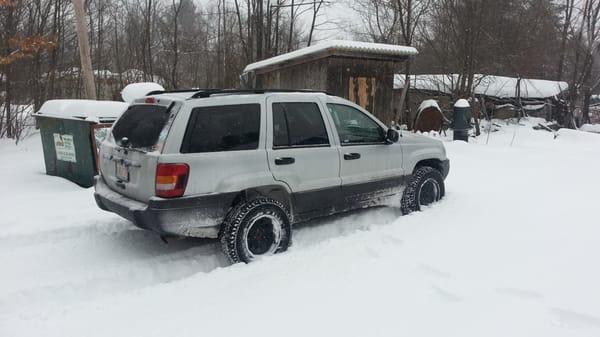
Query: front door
[(369, 167), (301, 153)]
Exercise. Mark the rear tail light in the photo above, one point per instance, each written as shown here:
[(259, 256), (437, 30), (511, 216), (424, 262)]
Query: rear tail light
[(150, 100), (171, 180)]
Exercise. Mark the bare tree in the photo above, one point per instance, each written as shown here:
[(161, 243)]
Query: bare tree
[(586, 51), (316, 7), (396, 22), (568, 7)]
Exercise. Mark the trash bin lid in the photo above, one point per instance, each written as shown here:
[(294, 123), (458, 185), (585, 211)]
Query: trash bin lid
[(91, 110), (462, 103)]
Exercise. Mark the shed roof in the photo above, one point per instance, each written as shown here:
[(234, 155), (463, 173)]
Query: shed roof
[(326, 48), (487, 85)]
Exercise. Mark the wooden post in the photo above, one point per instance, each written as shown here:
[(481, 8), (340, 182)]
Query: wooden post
[(399, 118), (84, 50)]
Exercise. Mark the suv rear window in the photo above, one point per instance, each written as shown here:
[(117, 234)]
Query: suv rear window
[(222, 128), (141, 124), (298, 125)]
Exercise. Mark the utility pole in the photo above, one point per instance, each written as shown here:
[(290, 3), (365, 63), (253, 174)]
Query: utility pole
[(84, 50)]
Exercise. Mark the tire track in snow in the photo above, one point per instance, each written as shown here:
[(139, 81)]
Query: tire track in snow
[(112, 258), (83, 263)]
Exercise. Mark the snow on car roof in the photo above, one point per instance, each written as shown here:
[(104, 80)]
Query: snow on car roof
[(134, 91), (83, 109), (489, 85), (340, 45)]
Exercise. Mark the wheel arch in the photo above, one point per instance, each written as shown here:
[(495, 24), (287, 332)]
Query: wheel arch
[(274, 191), (431, 162)]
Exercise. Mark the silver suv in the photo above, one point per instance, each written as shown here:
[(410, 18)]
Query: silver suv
[(243, 166)]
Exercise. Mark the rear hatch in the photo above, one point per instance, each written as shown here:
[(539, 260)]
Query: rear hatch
[(129, 156)]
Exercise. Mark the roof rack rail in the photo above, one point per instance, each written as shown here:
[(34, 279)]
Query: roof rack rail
[(158, 92), (210, 92)]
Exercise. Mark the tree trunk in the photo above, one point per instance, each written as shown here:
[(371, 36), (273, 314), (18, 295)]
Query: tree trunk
[(564, 37), (8, 77), (585, 107), (259, 31), (316, 8), (84, 50), (291, 32)]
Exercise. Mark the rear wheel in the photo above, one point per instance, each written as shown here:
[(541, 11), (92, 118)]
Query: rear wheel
[(254, 229), (426, 186)]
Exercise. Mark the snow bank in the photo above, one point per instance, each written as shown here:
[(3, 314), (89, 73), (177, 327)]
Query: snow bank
[(83, 109), (138, 90), (590, 128)]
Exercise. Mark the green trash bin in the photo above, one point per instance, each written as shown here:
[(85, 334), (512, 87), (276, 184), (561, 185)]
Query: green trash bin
[(461, 120), (71, 131)]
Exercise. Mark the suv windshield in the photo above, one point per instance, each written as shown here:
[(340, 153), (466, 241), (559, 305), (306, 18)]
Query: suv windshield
[(141, 124)]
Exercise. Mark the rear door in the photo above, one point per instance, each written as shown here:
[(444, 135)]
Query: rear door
[(369, 166), (129, 156), (223, 143), (301, 152)]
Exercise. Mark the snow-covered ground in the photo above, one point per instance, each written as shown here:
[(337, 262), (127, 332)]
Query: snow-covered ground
[(512, 250), (590, 128)]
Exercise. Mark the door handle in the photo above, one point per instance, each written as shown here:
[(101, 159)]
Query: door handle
[(284, 160), (351, 156)]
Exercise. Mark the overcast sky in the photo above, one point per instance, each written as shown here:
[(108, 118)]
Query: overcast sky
[(335, 22)]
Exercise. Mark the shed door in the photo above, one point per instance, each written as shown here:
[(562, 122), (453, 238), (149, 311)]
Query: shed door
[(362, 92)]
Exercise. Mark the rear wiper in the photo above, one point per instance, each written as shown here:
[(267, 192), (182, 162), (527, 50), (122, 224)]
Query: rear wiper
[(129, 148)]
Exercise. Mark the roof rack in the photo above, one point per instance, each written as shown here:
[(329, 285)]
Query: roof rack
[(209, 92), (158, 92)]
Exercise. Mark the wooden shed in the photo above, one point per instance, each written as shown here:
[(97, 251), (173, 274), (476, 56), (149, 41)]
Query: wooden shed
[(361, 72)]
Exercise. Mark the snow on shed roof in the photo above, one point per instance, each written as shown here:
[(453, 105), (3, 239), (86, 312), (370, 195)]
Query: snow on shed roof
[(83, 109), (428, 103), (488, 85), (338, 45)]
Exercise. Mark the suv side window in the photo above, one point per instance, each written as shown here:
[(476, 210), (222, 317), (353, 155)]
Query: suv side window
[(354, 127), (298, 124), (222, 128)]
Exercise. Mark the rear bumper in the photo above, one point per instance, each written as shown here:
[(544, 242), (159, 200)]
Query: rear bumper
[(445, 168), (194, 217)]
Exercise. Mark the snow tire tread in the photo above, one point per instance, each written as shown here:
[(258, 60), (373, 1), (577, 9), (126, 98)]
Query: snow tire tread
[(409, 202), (235, 220)]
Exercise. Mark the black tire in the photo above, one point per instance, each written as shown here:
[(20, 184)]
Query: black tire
[(254, 229), (425, 187)]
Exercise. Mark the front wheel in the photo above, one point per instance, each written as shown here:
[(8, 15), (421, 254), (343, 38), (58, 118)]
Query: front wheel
[(425, 187), (254, 229)]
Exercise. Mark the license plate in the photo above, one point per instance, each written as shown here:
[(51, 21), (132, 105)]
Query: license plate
[(122, 172)]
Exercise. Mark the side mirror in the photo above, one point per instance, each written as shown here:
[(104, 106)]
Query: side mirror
[(391, 136)]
